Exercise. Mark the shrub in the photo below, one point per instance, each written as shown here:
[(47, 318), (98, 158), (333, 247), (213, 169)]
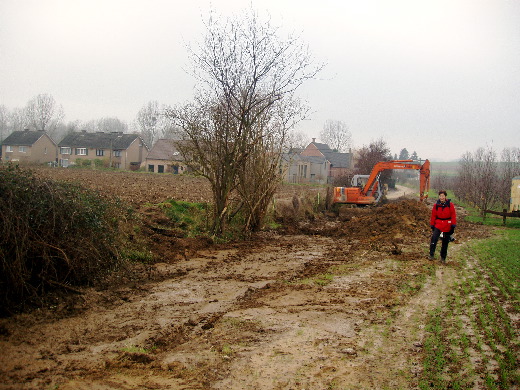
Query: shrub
[(51, 234)]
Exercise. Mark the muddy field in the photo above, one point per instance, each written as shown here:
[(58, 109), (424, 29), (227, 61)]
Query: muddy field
[(332, 302)]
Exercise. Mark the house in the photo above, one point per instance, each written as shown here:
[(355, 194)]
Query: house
[(114, 149), (341, 164), (165, 158), (305, 169), (32, 147)]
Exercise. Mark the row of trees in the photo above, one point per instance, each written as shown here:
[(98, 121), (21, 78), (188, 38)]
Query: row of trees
[(43, 113), (485, 180)]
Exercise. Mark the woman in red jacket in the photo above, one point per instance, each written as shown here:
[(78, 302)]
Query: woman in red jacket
[(443, 222)]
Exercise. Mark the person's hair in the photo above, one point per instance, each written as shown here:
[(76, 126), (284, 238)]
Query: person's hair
[(443, 192)]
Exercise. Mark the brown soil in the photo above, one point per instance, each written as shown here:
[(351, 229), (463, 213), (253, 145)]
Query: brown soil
[(339, 301)]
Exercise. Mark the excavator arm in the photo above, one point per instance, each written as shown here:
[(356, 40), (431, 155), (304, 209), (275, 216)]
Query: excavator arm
[(424, 180)]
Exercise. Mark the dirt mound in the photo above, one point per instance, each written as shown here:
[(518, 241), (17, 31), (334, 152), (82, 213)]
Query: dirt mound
[(398, 218), (403, 217)]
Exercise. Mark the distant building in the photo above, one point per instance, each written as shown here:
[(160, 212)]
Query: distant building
[(29, 147), (515, 195), (317, 163), (340, 163), (165, 158), (115, 149), (305, 169)]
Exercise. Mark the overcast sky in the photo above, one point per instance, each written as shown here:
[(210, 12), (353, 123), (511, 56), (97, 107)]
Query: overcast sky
[(439, 77)]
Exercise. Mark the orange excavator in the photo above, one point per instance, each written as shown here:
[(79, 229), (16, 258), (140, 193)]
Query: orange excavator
[(371, 192)]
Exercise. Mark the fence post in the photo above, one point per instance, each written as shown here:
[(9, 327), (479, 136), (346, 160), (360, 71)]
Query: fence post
[(504, 220)]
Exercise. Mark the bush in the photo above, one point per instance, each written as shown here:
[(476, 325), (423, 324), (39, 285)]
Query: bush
[(51, 234)]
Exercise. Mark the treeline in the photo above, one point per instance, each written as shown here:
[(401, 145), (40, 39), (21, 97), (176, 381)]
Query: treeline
[(484, 179), (43, 112)]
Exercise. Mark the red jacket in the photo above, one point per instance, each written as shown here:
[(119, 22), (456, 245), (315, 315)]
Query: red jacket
[(443, 216)]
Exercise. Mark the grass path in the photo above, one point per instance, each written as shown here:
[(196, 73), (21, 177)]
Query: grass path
[(472, 335)]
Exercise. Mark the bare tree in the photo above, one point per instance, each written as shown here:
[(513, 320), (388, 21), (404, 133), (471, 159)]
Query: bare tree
[(296, 140), (369, 155), (4, 122), (337, 135), (259, 177), (148, 122), (440, 181), (18, 119), (486, 178), (169, 129), (465, 187), (66, 128), (245, 102), (106, 125), (478, 179), (44, 113)]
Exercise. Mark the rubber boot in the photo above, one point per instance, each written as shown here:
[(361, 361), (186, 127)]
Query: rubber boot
[(433, 245)]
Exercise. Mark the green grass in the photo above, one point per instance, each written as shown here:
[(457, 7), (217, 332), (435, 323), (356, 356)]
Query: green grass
[(142, 256), (136, 349), (472, 338), (320, 280), (189, 217), (475, 216)]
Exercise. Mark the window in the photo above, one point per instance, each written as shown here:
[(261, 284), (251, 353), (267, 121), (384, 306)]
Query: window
[(8, 148), (22, 149), (117, 153), (64, 163), (160, 168), (302, 170), (81, 151), (150, 168), (64, 150), (100, 152), (45, 151)]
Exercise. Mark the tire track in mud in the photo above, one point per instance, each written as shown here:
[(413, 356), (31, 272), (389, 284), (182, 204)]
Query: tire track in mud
[(231, 329), (345, 343), (171, 314)]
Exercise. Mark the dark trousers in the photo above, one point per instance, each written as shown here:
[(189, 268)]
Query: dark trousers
[(445, 241)]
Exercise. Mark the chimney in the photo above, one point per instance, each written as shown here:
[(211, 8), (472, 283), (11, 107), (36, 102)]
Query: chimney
[(313, 140)]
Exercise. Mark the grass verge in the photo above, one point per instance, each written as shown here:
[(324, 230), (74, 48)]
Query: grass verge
[(475, 216), (472, 337)]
